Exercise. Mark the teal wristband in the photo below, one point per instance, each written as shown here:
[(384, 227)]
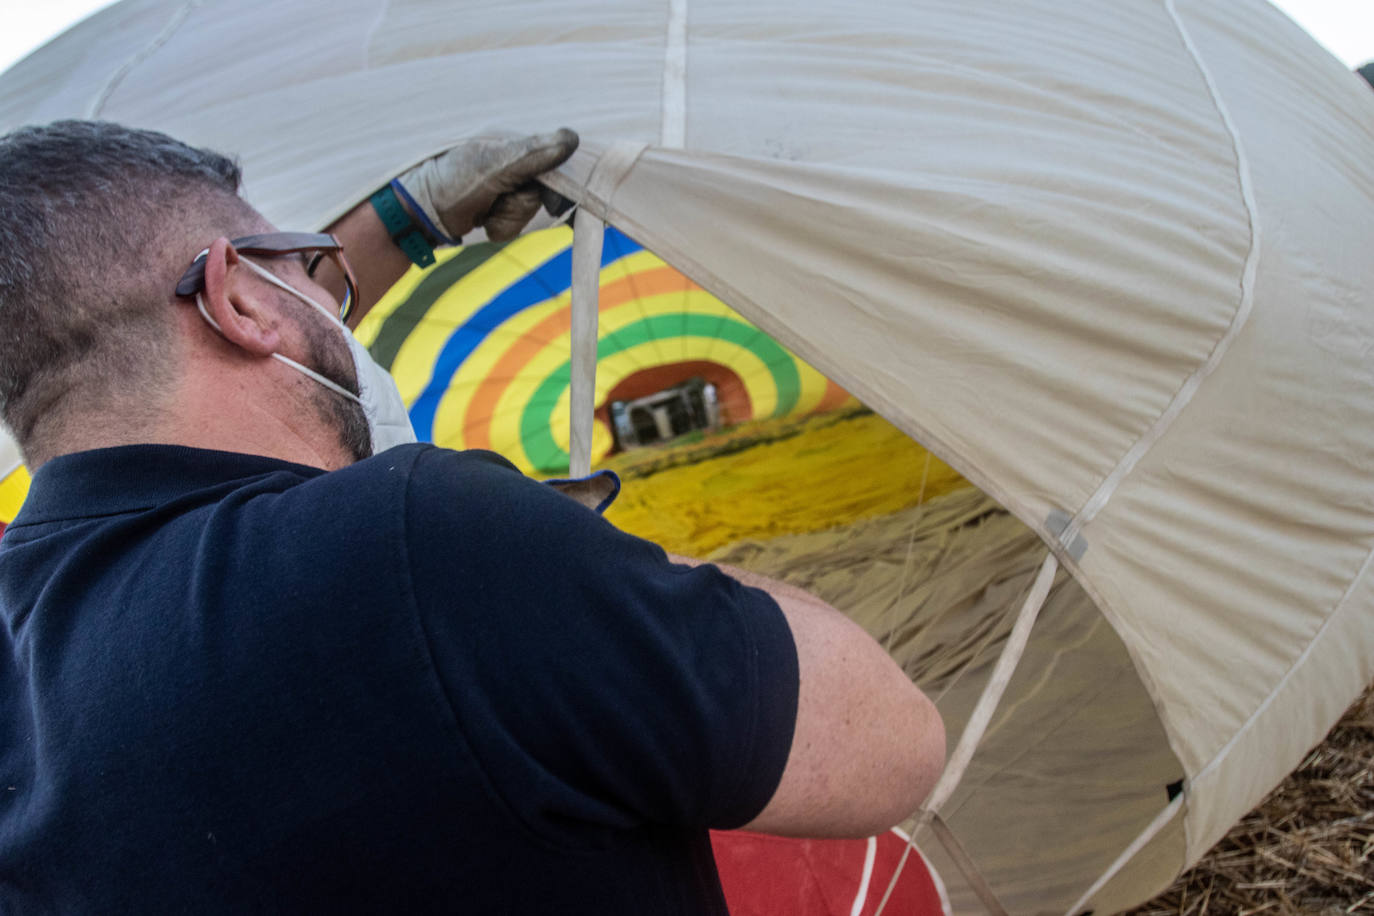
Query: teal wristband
[(402, 229)]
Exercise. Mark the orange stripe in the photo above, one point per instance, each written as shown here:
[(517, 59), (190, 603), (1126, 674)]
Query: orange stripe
[(834, 396), (480, 410)]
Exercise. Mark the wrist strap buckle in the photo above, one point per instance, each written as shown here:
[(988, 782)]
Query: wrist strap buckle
[(404, 232)]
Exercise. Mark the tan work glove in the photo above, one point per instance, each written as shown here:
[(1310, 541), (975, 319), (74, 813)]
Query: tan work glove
[(489, 182)]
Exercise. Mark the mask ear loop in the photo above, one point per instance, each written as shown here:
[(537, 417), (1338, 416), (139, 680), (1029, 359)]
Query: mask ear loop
[(304, 370)]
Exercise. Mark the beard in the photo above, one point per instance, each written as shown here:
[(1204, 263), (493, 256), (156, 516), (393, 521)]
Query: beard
[(332, 359)]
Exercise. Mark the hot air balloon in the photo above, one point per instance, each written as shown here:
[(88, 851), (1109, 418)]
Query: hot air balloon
[(1109, 262)]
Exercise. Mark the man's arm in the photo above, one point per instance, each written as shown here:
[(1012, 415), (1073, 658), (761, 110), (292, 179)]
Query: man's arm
[(868, 745), (484, 181)]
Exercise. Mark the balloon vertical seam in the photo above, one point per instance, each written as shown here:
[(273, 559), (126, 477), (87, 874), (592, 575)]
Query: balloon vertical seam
[(1194, 381)]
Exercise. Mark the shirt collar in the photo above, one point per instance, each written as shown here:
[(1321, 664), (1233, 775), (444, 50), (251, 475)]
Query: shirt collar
[(130, 478)]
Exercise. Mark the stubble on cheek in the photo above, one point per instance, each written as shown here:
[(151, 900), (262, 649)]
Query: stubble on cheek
[(330, 356)]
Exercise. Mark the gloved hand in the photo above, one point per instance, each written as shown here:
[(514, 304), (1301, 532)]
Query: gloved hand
[(489, 182)]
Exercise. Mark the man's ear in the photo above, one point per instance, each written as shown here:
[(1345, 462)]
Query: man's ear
[(235, 302)]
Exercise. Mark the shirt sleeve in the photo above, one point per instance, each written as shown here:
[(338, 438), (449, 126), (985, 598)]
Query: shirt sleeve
[(596, 682)]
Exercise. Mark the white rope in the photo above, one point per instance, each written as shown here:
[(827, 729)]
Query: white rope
[(964, 862), (673, 127), (1151, 830), (983, 712), (1185, 394), (906, 562), (140, 56)]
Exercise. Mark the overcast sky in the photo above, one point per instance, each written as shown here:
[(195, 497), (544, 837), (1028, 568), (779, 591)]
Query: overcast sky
[(1346, 27)]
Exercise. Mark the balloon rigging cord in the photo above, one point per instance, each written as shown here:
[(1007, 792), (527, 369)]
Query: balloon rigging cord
[(988, 639), (906, 563)]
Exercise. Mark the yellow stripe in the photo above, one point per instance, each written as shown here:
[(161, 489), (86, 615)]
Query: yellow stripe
[(400, 291), (687, 300), (451, 418), (479, 364), (505, 429), (415, 360), (505, 426), (414, 364), (630, 264), (13, 489), (813, 386), (756, 376), (697, 302), (611, 371)]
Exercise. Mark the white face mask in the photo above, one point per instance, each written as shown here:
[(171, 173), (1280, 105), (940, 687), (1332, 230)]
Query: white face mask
[(387, 419)]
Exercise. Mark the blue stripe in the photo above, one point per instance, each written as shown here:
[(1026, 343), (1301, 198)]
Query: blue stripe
[(550, 279)]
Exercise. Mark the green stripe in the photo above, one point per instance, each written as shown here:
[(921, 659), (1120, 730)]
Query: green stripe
[(411, 312), (536, 423)]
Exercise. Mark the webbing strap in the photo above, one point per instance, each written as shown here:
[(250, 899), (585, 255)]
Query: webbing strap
[(589, 231), (1245, 286), (996, 686), (673, 126), (1151, 830), (964, 862), (983, 712)]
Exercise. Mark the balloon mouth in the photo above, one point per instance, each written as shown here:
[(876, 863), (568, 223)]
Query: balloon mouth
[(491, 325)]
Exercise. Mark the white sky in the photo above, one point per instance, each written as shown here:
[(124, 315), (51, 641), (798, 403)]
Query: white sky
[(1346, 27)]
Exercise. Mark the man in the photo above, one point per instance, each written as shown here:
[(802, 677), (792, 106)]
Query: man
[(252, 669)]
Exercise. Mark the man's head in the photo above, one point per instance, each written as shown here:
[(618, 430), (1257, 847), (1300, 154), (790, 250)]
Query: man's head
[(97, 223)]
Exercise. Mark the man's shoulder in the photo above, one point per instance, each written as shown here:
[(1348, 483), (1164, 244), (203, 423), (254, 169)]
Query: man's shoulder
[(431, 463), (426, 478), (476, 502), (402, 471)]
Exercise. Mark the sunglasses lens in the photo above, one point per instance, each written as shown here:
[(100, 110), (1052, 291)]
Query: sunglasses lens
[(327, 270)]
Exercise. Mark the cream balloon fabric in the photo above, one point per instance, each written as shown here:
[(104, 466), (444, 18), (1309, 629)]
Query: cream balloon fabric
[(1112, 262), (14, 478)]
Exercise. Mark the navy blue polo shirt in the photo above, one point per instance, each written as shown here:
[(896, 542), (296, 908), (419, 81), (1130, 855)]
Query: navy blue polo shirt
[(420, 684)]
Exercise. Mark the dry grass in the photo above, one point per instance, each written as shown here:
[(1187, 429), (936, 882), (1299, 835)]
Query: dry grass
[(1307, 850)]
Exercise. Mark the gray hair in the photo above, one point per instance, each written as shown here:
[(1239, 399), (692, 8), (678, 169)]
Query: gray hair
[(96, 222)]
